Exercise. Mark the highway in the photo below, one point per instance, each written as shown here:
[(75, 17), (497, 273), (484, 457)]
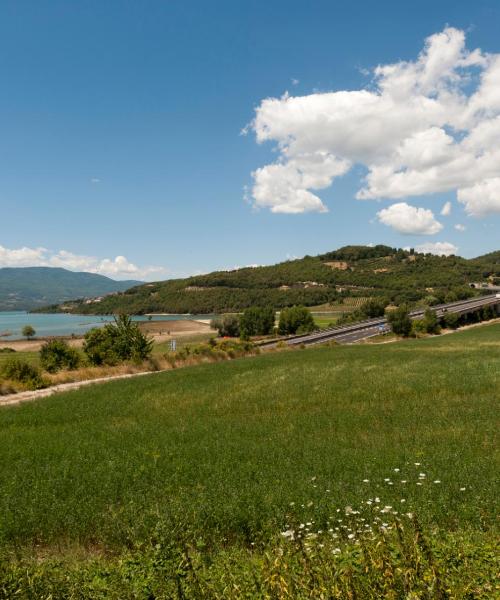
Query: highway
[(348, 334)]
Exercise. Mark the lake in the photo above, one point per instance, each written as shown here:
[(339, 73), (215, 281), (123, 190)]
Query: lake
[(65, 324)]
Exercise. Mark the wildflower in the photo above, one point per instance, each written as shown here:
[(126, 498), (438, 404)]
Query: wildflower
[(422, 476), (403, 500), (377, 499), (396, 470), (366, 481), (462, 489), (403, 480), (437, 481), (310, 503), (289, 534), (348, 510), (387, 479), (351, 536), (292, 503), (336, 551), (419, 483), (417, 464)]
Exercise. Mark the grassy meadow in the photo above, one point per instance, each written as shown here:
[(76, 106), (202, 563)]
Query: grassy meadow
[(274, 476)]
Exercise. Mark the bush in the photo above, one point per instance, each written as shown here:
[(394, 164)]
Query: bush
[(24, 373), (296, 319), (373, 308), (116, 343), (57, 354), (7, 350), (257, 321), (227, 326), (400, 321), (451, 320)]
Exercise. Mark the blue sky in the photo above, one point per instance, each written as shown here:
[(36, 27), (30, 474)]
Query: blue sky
[(121, 130)]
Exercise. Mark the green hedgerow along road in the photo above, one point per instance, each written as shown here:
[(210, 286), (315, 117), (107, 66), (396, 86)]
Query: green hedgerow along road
[(347, 334)]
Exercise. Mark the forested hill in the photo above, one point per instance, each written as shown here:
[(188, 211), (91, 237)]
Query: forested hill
[(26, 288), (396, 274)]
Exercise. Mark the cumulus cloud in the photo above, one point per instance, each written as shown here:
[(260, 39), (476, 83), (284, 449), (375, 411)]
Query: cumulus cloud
[(483, 197), (409, 219), (460, 227), (428, 126), (439, 248), (118, 268)]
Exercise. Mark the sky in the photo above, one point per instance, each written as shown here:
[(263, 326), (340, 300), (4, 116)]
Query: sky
[(162, 138)]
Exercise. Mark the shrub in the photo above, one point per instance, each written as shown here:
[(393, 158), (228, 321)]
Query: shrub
[(257, 321), (400, 321), (57, 354), (373, 308), (116, 343), (227, 326), (7, 350), (296, 319), (24, 373), (451, 320)]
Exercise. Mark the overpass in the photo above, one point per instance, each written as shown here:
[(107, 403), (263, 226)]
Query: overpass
[(345, 334)]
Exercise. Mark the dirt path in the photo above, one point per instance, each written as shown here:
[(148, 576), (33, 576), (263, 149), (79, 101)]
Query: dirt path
[(12, 399)]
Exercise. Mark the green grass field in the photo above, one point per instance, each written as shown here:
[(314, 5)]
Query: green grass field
[(28, 356), (226, 456)]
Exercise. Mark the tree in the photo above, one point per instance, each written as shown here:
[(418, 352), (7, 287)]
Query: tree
[(227, 326), (57, 354), (117, 342), (257, 321), (431, 322), (400, 321), (296, 319), (373, 308), (28, 332), (451, 320)]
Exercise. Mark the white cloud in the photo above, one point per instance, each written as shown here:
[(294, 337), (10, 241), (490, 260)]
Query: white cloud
[(439, 248), (295, 81), (117, 268), (482, 198), (429, 125), (95, 180), (409, 219), (460, 227), (446, 210)]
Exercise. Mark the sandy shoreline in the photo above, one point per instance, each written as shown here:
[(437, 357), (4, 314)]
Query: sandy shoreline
[(160, 331)]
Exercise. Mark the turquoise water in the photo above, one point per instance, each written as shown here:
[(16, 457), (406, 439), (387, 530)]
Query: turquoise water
[(63, 324)]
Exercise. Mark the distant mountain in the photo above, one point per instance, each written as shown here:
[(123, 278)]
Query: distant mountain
[(395, 274), (28, 288)]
